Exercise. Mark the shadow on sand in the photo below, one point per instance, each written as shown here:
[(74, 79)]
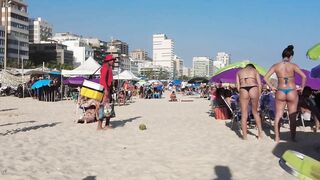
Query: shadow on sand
[(122, 123), (8, 124), (10, 109), (89, 178), (222, 173), (25, 129), (307, 143), (236, 128)]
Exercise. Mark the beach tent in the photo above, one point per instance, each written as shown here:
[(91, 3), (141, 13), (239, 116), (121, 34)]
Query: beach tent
[(89, 67), (126, 75), (77, 81)]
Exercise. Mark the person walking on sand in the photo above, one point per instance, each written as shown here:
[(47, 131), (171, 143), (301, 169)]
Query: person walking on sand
[(249, 87), (106, 78), (286, 93)]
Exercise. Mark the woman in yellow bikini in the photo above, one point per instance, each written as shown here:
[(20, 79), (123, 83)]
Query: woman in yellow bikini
[(286, 93)]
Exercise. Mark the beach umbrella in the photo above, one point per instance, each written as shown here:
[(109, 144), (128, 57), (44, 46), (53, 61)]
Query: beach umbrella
[(242, 64), (314, 52), (227, 76), (314, 83), (315, 72), (41, 83), (176, 82)]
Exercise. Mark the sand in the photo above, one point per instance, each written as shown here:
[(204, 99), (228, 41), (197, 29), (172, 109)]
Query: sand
[(39, 140)]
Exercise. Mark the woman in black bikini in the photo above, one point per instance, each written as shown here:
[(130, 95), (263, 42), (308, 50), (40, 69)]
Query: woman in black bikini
[(249, 87), (286, 93)]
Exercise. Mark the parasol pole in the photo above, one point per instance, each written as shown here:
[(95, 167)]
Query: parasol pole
[(22, 77)]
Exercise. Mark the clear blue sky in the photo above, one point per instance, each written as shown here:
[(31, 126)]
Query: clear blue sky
[(247, 29)]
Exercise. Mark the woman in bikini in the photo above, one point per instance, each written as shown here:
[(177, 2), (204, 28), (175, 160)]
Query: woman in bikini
[(249, 87), (286, 93)]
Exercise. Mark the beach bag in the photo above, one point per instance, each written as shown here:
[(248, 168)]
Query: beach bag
[(107, 111)]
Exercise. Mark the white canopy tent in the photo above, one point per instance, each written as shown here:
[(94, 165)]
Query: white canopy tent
[(126, 75), (89, 67)]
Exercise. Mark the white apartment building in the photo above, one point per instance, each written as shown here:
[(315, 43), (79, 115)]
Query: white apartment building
[(222, 59), (139, 54), (93, 42), (39, 30), (186, 72), (178, 71), (18, 28), (163, 52), (202, 67), (81, 51), (75, 43), (64, 36)]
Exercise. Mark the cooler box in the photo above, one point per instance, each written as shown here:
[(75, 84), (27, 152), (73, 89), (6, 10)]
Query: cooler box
[(92, 90)]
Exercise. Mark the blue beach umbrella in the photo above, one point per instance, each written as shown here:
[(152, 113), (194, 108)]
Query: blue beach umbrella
[(40, 83)]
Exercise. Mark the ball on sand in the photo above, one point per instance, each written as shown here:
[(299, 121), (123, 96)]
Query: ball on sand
[(142, 127)]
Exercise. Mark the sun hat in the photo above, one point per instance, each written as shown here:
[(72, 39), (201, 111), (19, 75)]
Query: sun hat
[(109, 57)]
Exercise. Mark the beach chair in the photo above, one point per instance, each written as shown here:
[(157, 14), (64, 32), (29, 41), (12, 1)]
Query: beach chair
[(235, 114), (306, 119), (300, 165)]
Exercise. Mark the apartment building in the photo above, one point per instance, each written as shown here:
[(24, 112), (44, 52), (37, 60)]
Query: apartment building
[(163, 52), (202, 67), (15, 16), (39, 30)]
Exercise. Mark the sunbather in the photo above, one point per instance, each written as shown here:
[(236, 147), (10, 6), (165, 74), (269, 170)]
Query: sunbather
[(173, 97)]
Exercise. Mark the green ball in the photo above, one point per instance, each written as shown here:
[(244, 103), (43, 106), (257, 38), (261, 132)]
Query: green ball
[(142, 127)]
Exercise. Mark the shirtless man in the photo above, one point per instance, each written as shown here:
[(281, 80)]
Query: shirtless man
[(249, 87), (286, 93)]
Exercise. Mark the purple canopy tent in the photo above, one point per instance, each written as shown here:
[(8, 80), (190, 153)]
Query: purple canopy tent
[(77, 81), (311, 82), (228, 76)]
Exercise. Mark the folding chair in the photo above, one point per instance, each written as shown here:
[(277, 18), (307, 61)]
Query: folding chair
[(235, 113)]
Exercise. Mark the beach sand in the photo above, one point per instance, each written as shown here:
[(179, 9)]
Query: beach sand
[(40, 140)]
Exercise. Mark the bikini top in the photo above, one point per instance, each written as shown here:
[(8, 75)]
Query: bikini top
[(286, 79)]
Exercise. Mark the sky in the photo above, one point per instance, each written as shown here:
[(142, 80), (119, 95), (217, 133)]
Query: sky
[(256, 30)]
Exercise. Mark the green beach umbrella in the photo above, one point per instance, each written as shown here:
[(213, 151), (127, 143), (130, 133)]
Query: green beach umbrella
[(314, 52), (242, 64)]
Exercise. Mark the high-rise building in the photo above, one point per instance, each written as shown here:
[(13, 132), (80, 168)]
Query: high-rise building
[(122, 46), (163, 52), (139, 54), (18, 28), (202, 67), (1, 45), (222, 59), (39, 30), (178, 71), (186, 72)]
